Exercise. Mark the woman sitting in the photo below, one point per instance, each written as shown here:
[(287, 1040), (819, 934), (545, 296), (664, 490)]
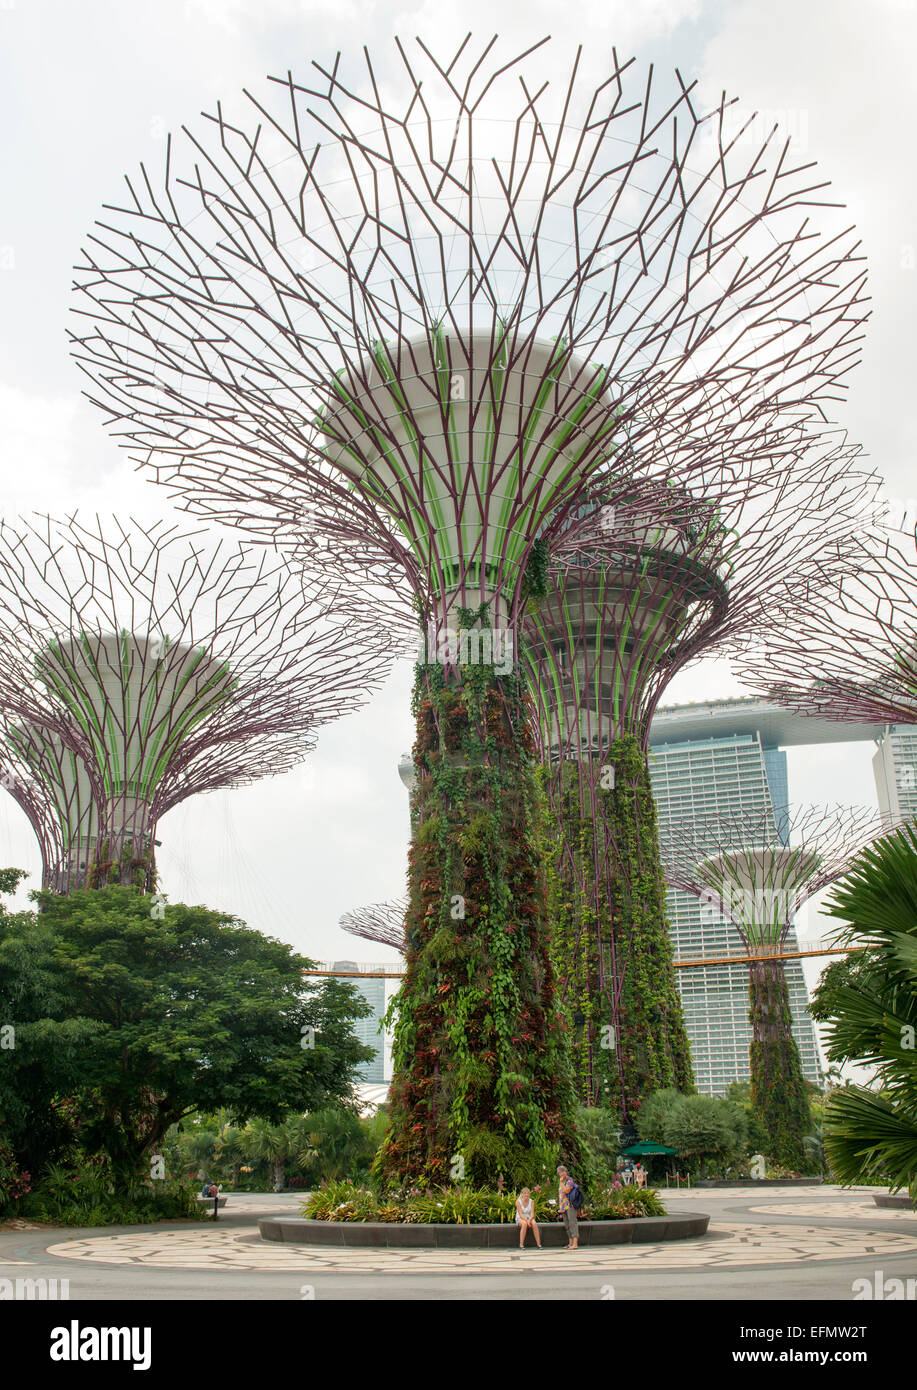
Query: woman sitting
[(525, 1217)]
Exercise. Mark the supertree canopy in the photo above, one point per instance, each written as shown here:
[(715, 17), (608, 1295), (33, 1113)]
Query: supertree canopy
[(850, 653), (50, 783), (140, 666), (380, 922), (758, 869), (635, 592), (426, 315)]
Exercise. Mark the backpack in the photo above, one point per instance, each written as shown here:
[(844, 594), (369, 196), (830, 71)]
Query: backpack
[(576, 1196)]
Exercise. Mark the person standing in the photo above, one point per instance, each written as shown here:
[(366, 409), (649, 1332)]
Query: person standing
[(525, 1217), (566, 1207)]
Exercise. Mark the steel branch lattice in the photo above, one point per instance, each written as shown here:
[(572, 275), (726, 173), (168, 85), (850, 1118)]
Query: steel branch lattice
[(140, 666), (849, 653), (757, 868), (422, 321), (381, 922)]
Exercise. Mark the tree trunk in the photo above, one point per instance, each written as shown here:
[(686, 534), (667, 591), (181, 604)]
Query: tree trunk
[(611, 945), (480, 1076), (778, 1090)]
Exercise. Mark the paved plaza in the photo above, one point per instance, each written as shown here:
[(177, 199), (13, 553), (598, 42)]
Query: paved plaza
[(777, 1243)]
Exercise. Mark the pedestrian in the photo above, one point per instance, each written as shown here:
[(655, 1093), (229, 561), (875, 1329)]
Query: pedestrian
[(525, 1218), (565, 1192), (640, 1175)]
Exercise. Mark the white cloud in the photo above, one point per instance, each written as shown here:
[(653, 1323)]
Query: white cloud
[(840, 71)]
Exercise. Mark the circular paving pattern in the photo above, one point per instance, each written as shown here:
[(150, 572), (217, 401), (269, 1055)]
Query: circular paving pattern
[(853, 1211), (728, 1243)]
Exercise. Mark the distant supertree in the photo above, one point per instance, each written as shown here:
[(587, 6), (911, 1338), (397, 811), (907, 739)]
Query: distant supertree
[(139, 666), (380, 922), (50, 783), (851, 652), (428, 317), (757, 869), (636, 592)]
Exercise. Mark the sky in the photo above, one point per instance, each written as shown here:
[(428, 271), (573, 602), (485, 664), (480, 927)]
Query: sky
[(88, 91)]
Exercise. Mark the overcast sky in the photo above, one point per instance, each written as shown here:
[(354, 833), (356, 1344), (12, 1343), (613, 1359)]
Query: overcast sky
[(88, 90)]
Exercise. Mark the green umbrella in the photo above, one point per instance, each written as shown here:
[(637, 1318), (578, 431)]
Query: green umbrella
[(647, 1148)]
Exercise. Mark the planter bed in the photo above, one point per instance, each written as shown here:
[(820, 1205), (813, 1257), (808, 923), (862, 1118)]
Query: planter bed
[(755, 1182), (504, 1235), (898, 1200)]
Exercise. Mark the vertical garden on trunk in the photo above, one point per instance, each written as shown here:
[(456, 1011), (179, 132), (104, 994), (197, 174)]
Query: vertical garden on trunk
[(778, 1089), (482, 1083), (622, 966)]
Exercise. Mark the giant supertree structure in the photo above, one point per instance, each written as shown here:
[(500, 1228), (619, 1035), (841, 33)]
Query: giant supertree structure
[(851, 652), (422, 315), (758, 869), (635, 593), (380, 922), (141, 665), (49, 782)]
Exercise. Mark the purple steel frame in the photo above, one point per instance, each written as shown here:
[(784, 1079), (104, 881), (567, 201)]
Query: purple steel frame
[(140, 666), (330, 315), (851, 652), (381, 922)]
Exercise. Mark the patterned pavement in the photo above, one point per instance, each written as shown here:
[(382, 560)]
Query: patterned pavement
[(729, 1242), (866, 1211)]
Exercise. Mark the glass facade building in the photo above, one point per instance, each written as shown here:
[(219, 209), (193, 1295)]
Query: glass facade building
[(707, 760), (369, 1029), (895, 769)]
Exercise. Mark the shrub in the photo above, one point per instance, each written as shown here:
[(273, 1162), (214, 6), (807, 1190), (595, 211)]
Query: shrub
[(65, 1197), (344, 1201)]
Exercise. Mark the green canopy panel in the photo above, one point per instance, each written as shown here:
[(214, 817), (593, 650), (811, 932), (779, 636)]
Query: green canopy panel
[(636, 1150)]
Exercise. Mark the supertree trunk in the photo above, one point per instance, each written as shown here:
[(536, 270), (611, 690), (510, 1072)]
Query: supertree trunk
[(480, 1080), (581, 942), (654, 1044), (611, 947), (778, 1092), (126, 859)]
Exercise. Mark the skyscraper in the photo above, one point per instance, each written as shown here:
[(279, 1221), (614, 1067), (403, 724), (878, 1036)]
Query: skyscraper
[(712, 759), (369, 1029), (895, 769)]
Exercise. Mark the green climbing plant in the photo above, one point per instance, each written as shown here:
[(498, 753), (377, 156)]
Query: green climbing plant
[(481, 1082), (610, 939)]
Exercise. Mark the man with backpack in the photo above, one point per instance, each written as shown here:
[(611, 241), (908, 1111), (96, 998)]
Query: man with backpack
[(569, 1200)]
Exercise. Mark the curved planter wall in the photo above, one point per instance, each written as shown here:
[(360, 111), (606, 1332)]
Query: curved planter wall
[(632, 1231), (759, 1182), (898, 1200)]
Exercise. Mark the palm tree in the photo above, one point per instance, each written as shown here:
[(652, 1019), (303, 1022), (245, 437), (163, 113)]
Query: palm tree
[(231, 1151), (871, 1134), (269, 1144), (280, 1145)]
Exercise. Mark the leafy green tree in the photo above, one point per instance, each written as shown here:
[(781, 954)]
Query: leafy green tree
[(846, 972), (147, 1016), (871, 1009), (739, 1093), (39, 1057), (599, 1133), (701, 1129), (276, 1145)]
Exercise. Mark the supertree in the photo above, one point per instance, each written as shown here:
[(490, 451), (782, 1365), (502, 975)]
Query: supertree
[(380, 922), (424, 317), (758, 869), (851, 652), (140, 666), (636, 592), (50, 784)]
